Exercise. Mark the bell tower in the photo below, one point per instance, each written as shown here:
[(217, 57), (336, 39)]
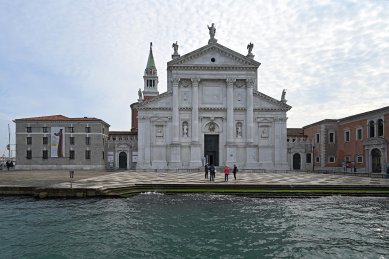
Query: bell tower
[(150, 87)]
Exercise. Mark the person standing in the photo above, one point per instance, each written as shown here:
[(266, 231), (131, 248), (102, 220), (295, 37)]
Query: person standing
[(226, 173), (234, 171), (211, 172), (206, 171)]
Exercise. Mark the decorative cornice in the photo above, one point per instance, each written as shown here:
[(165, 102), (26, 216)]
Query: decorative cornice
[(156, 98), (283, 106), (154, 108), (185, 108), (213, 108), (218, 48), (210, 67)]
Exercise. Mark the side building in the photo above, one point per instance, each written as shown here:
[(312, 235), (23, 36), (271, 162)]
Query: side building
[(122, 150), (356, 143), (59, 142)]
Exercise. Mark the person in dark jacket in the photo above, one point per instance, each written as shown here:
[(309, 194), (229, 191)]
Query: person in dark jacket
[(212, 172), (234, 171), (206, 171)]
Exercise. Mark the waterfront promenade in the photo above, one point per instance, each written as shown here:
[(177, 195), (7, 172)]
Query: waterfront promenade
[(55, 183)]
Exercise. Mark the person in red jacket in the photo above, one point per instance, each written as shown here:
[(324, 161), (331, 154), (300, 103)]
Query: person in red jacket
[(226, 173)]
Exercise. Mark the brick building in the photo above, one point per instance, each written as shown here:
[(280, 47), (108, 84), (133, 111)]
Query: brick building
[(358, 142)]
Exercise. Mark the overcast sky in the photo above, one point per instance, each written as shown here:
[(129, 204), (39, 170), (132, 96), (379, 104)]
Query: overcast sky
[(87, 58)]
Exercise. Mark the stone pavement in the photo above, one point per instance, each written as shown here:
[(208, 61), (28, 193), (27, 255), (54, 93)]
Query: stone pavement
[(103, 179)]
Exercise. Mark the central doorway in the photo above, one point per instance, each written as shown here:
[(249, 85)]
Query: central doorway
[(122, 160), (211, 149), (296, 161), (376, 160)]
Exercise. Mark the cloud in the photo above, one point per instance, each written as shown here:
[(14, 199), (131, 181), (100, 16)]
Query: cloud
[(88, 57)]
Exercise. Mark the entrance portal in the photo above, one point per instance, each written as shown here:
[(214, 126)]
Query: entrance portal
[(376, 160), (211, 149), (296, 162), (122, 160)]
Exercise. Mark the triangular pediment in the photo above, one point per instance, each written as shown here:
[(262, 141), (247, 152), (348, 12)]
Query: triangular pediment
[(162, 101), (264, 102), (214, 55)]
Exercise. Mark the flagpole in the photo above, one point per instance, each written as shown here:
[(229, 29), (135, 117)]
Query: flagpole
[(9, 142)]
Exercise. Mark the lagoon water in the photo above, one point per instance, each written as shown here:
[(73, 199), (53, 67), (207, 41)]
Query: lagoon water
[(194, 226)]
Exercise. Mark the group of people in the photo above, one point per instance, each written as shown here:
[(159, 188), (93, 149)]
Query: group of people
[(8, 164), (211, 170)]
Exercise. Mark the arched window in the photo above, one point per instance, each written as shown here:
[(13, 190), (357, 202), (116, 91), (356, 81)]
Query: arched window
[(371, 129), (380, 125)]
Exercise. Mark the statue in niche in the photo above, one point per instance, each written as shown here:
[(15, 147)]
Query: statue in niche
[(185, 129), (175, 47), (239, 130), (250, 47), (283, 96), (211, 126), (264, 132)]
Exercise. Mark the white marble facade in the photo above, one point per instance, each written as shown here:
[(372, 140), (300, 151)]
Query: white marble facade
[(212, 96)]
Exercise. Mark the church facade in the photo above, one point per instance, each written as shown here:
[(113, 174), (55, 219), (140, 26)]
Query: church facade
[(212, 112)]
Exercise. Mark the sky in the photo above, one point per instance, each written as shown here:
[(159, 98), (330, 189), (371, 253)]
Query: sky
[(87, 58)]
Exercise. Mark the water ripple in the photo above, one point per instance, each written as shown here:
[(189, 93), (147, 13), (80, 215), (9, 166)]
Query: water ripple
[(195, 226)]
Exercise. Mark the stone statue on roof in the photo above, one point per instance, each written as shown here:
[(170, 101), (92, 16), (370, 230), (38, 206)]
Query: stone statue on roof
[(283, 96), (175, 47), (140, 95), (250, 47), (212, 32)]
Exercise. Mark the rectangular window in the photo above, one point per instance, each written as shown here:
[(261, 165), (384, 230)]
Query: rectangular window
[(360, 159), (331, 159), (29, 140), (71, 140), (87, 129), (347, 136), (103, 155), (317, 159), (87, 154), (332, 137), (44, 129), (45, 154), (45, 140), (71, 129), (71, 154), (29, 130), (87, 140), (29, 154), (359, 134), (317, 138), (309, 158)]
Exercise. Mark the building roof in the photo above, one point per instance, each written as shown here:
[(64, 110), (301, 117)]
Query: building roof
[(326, 121), (296, 132), (364, 114), (119, 133), (59, 118)]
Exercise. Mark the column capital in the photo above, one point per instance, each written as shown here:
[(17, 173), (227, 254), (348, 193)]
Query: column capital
[(230, 81), (250, 82), (195, 81), (175, 81)]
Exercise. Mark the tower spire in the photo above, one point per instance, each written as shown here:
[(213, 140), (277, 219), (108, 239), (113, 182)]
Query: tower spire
[(150, 77)]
